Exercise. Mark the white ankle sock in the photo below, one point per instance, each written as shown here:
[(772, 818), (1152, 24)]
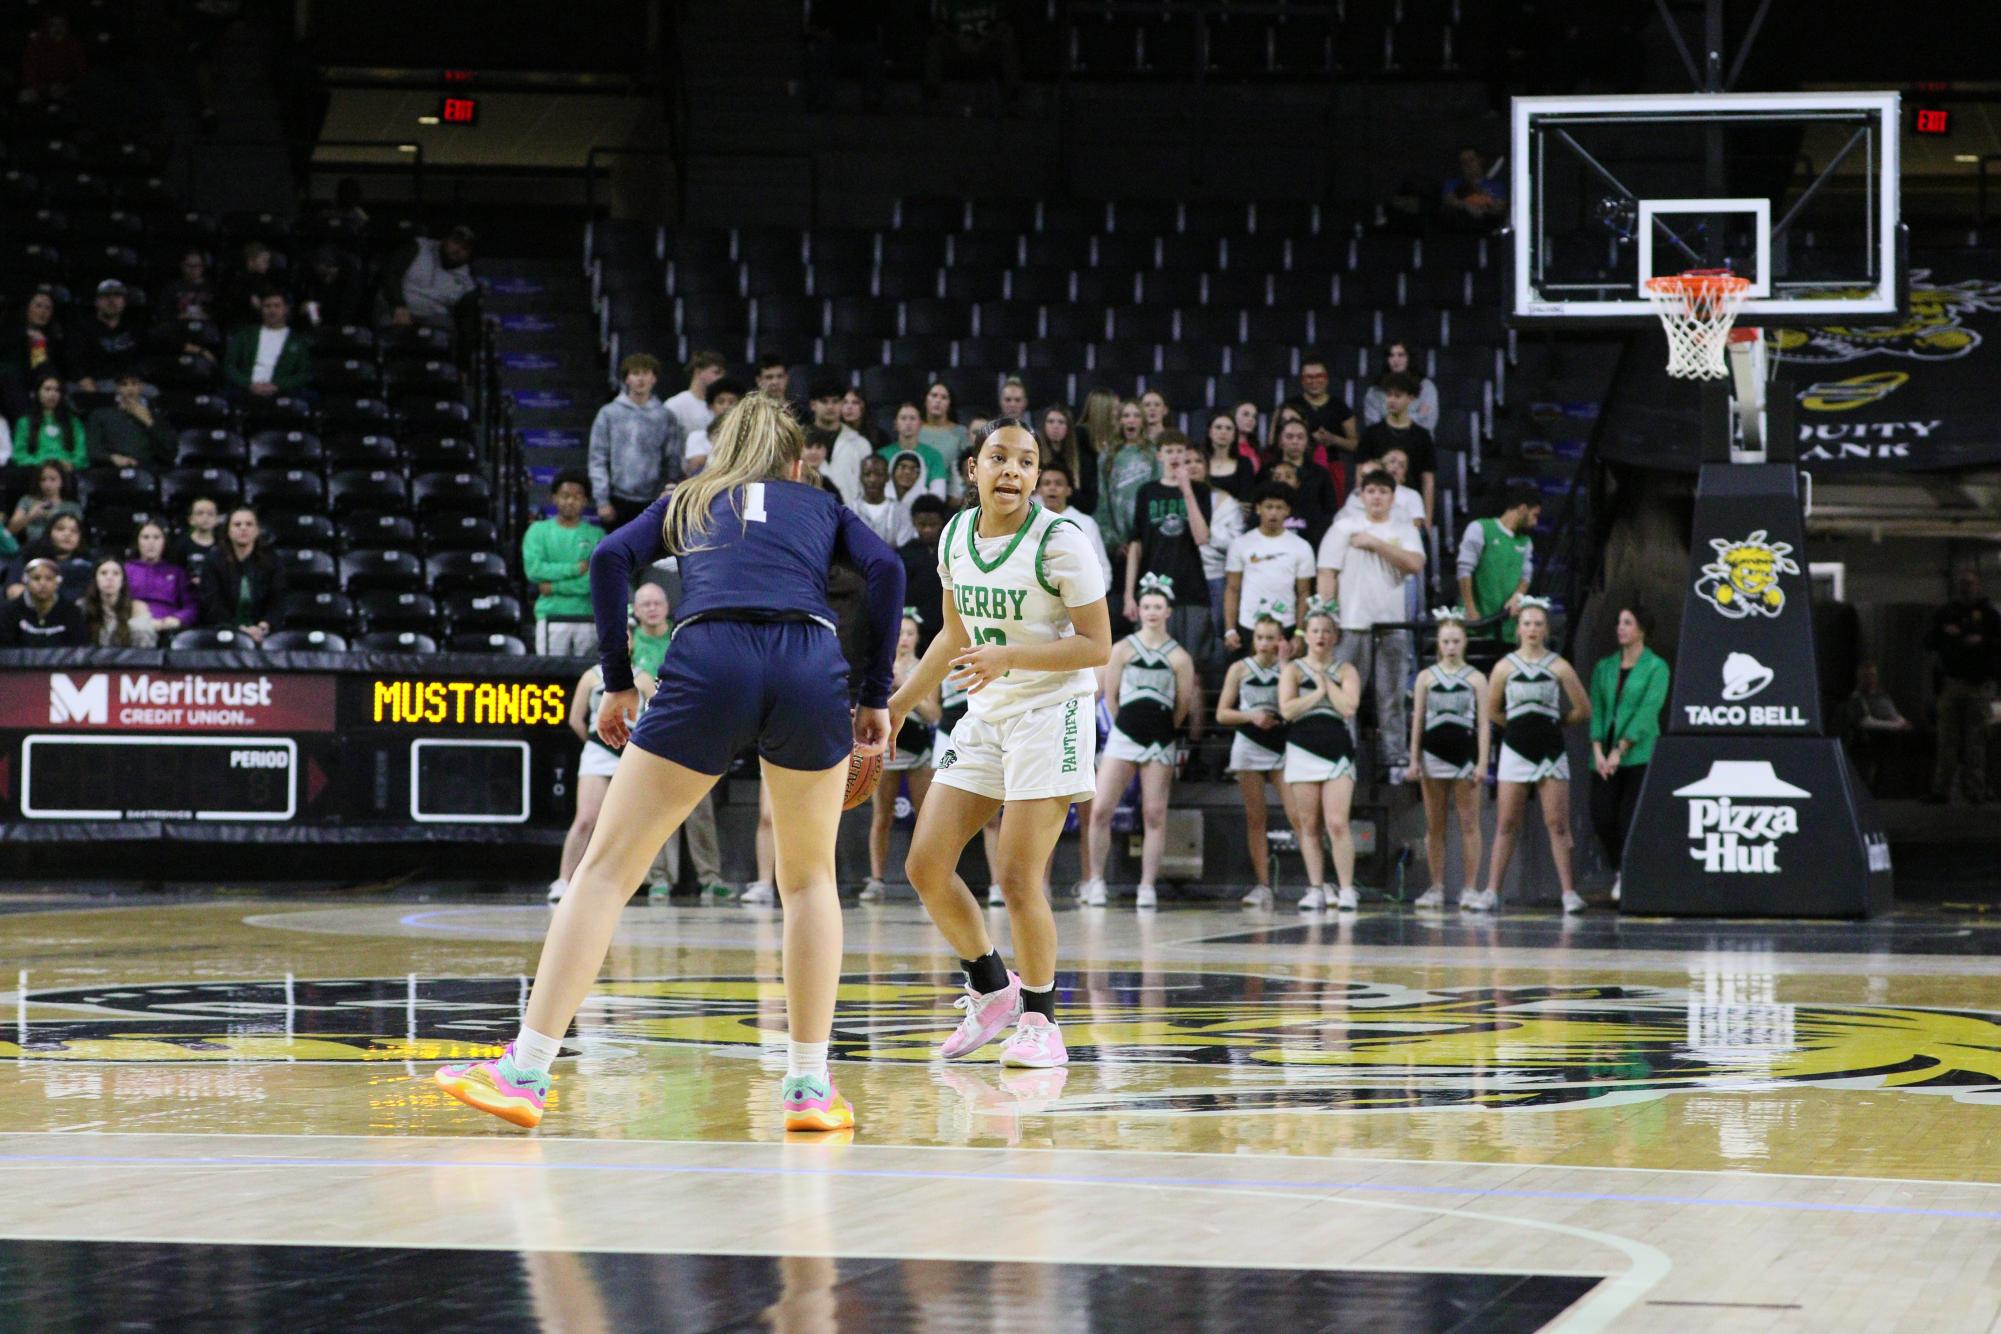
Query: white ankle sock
[(533, 1051), (805, 1058)]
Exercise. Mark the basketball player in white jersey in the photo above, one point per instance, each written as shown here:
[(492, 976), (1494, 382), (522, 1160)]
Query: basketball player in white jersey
[(1024, 624)]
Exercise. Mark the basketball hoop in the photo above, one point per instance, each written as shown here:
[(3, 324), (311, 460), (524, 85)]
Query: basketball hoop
[(1697, 309)]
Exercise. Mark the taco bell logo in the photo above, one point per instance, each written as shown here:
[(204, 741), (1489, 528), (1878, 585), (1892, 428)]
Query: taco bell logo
[(1734, 825)]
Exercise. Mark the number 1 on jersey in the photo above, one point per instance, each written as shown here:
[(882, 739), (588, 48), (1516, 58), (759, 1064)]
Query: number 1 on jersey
[(753, 503)]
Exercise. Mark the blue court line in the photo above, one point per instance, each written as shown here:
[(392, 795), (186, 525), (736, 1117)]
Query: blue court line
[(1033, 1179)]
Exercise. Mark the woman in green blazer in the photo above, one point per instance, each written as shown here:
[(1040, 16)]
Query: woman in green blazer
[(1628, 689)]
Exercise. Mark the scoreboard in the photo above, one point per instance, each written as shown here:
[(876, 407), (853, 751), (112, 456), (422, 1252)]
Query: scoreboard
[(123, 743)]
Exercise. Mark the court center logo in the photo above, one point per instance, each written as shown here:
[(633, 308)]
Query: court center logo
[(1743, 580), (1189, 1043)]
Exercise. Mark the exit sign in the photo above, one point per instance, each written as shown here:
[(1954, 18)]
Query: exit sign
[(458, 111), (1933, 120)]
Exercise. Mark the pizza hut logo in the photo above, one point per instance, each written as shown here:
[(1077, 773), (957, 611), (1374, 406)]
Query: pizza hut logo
[(1735, 821)]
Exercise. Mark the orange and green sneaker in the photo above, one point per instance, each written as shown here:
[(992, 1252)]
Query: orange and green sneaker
[(499, 1086)]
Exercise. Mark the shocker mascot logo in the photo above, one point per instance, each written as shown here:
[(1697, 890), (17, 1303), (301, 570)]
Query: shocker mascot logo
[(1935, 330), (1743, 580)]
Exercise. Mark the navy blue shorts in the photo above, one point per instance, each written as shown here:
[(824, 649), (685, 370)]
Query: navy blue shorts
[(725, 684)]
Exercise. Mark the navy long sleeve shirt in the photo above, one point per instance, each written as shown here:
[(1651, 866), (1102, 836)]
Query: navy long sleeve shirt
[(768, 550)]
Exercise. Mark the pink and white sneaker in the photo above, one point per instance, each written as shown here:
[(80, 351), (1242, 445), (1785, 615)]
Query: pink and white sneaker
[(986, 1016), (1037, 1044)]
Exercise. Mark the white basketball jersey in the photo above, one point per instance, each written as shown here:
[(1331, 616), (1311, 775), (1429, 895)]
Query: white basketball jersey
[(1006, 595)]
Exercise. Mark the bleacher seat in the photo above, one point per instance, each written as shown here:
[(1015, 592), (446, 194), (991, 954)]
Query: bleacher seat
[(483, 613), (393, 612), (370, 571), (302, 530), (317, 611), (381, 532), (213, 447), (400, 641), (296, 490), (459, 532), (365, 451), (450, 572), (451, 492), (210, 637), (504, 644), (308, 570), (181, 486), (286, 449), (304, 641), (375, 489)]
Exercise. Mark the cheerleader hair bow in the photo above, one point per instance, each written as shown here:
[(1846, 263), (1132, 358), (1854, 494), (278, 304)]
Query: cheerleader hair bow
[(1449, 615), (913, 615), (1527, 602), (1319, 606), (1279, 609), (1157, 583)]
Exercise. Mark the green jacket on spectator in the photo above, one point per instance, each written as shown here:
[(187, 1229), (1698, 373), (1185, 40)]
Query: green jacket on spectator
[(294, 370), (33, 448), (1632, 715)]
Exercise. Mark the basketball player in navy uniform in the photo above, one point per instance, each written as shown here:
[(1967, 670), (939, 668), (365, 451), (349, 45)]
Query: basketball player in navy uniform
[(754, 658)]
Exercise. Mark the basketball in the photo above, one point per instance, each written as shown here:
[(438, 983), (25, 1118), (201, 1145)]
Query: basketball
[(863, 771)]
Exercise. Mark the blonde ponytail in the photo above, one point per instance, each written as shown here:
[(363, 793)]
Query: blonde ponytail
[(755, 441)]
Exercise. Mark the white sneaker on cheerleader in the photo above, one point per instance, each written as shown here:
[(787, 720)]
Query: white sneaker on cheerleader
[(1313, 900), (1431, 898), (1478, 900), (1615, 887), (1146, 898), (1573, 901), (1260, 897), (558, 888), (994, 896), (1348, 900), (758, 894), (872, 891), (1091, 894)]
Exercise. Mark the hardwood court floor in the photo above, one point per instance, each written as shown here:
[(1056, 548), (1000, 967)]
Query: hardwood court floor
[(1393, 1120)]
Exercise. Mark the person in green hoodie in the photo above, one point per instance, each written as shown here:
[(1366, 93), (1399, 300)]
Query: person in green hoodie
[(1628, 690), (51, 432), (556, 557)]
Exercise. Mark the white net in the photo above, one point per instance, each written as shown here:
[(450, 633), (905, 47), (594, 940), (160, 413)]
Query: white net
[(1697, 309)]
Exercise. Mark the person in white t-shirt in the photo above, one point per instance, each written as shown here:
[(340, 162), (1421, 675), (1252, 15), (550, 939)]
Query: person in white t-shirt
[(1409, 504), (691, 406), (722, 396), (1053, 491), (879, 510), (1367, 558), (1268, 571)]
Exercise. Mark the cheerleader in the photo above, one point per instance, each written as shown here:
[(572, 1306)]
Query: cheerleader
[(1316, 697), (1151, 679), (594, 768), (1249, 703), (1529, 689), (910, 756), (1449, 720)]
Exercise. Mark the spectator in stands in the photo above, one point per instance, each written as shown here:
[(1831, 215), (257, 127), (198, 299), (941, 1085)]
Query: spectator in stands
[(1472, 200), (652, 627), (111, 617), (349, 205), (53, 61), (1229, 470), (1629, 689), (556, 558), (1868, 718), (691, 406), (430, 282), (635, 447), (1054, 489), (164, 587), (192, 547), (855, 415), (1397, 430), (1155, 414), (244, 585), (1249, 440), (1369, 561), (813, 457), (906, 479), (721, 396), (1268, 572), (1497, 559), (1014, 398), (921, 586), (62, 545), (54, 493), (1171, 523), (940, 430), (1330, 422), (191, 296), (844, 446), (1126, 462), (1062, 442), (334, 293), (976, 32), (1400, 358), (38, 616), (104, 345), (880, 510), (1966, 635), (1226, 525), (270, 358), (36, 348), (910, 440), (774, 380), (50, 431), (1098, 422), (243, 291), (1408, 502), (1318, 499), (127, 433)]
